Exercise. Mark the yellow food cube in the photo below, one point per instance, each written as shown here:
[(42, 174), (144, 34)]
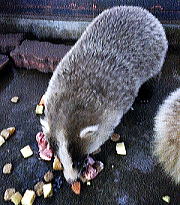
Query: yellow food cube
[(16, 198), (120, 148), (15, 99), (28, 198), (57, 164), (39, 109), (2, 141), (11, 130), (166, 199), (26, 151), (47, 190), (5, 134)]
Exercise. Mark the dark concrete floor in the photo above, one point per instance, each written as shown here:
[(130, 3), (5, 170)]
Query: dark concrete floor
[(136, 179)]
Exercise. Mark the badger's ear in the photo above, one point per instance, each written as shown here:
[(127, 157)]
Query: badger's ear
[(45, 125), (92, 128)]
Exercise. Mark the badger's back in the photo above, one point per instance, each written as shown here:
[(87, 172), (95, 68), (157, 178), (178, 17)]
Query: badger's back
[(167, 135), (121, 49)]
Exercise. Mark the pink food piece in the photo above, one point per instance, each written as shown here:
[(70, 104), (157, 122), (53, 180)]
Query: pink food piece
[(90, 160), (45, 151), (93, 168), (41, 140), (46, 154), (90, 173)]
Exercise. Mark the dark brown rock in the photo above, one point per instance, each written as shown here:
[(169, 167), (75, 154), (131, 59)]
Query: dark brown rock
[(43, 56), (3, 61), (8, 42)]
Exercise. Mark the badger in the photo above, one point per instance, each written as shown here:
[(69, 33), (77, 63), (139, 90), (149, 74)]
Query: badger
[(97, 81), (167, 135)]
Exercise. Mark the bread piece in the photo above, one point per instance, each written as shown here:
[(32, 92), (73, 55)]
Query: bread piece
[(28, 198), (16, 198), (26, 151), (39, 109), (8, 194), (7, 168), (2, 141), (38, 188), (47, 190), (120, 148), (57, 164), (15, 99), (48, 177)]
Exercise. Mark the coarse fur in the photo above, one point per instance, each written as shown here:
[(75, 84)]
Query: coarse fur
[(96, 82), (167, 135)]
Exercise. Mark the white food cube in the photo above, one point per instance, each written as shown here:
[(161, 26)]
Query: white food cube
[(15, 99), (47, 190), (16, 198), (2, 141), (166, 199), (28, 198), (120, 148), (39, 109), (26, 151)]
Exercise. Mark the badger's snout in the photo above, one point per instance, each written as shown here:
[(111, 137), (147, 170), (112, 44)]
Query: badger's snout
[(70, 174)]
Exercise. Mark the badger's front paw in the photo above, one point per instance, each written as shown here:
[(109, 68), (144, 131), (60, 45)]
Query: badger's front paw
[(70, 175)]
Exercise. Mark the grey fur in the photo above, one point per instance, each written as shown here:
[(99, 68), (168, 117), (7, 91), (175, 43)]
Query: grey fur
[(167, 135), (98, 79)]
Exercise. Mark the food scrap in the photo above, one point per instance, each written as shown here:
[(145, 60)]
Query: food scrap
[(28, 198), (5, 134), (11, 130), (47, 190), (91, 169), (8, 194), (57, 166), (76, 187), (26, 151), (16, 198), (7, 168), (14, 99), (115, 137), (44, 148), (39, 109), (38, 188), (120, 148), (166, 199), (2, 141), (48, 177)]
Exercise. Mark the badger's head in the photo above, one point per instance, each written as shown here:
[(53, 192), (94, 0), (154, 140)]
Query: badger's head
[(74, 130), (72, 145), (72, 141)]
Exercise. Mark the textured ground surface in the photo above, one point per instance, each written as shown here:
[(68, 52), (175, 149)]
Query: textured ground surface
[(136, 179)]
